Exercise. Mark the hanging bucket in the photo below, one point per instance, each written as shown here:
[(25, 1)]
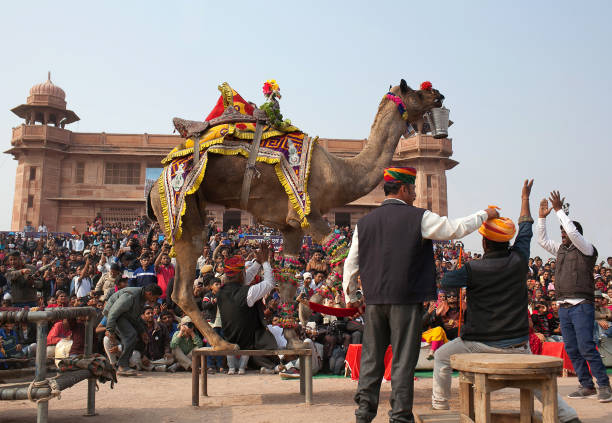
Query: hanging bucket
[(438, 121)]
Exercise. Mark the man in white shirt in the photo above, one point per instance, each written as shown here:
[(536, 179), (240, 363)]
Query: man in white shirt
[(42, 227), (82, 282), (241, 314), (392, 252), (77, 244), (574, 289)]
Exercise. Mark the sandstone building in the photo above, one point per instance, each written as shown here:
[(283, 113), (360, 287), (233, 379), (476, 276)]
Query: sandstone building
[(66, 178)]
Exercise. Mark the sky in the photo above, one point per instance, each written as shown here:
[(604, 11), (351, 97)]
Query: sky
[(528, 83)]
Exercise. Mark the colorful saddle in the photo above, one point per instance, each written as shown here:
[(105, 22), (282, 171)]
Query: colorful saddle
[(288, 149)]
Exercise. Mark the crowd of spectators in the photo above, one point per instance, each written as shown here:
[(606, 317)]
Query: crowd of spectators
[(88, 267)]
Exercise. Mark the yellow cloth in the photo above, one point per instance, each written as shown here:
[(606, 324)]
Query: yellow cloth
[(435, 334)]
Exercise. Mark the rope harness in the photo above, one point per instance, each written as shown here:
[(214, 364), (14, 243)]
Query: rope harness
[(51, 383)]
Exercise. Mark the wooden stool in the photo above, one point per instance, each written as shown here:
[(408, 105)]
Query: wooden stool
[(199, 365), (486, 373)]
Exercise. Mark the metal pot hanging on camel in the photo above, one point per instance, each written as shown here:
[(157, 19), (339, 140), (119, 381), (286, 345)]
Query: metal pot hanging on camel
[(437, 118)]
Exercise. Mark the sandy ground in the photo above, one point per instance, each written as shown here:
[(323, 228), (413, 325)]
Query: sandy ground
[(164, 397)]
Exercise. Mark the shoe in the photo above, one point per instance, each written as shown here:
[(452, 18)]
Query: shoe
[(440, 406), (173, 368), (583, 392), (160, 368), (292, 373), (231, 371), (264, 371), (211, 371), (574, 420), (605, 394), (242, 371)]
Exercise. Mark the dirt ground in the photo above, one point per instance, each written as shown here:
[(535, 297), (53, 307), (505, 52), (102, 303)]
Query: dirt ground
[(165, 397)]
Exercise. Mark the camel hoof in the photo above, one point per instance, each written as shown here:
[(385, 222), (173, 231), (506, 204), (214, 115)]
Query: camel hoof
[(226, 346)]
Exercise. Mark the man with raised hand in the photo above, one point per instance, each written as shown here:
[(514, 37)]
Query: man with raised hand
[(574, 289)]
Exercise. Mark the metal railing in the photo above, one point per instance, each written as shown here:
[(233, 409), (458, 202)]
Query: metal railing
[(42, 319)]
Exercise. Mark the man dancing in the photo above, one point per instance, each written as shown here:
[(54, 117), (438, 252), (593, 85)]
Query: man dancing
[(393, 253), (574, 288), (497, 319)]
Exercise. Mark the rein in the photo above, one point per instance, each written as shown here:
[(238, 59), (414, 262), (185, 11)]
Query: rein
[(401, 107)]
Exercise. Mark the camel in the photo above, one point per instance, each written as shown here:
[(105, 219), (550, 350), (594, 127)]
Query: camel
[(333, 182)]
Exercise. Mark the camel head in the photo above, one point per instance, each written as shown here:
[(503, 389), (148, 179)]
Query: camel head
[(417, 102)]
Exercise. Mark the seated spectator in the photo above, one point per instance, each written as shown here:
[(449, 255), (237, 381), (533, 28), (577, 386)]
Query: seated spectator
[(154, 355), (434, 333), (183, 342), (449, 314), (9, 342), (60, 330), (166, 318), (603, 317), (539, 317)]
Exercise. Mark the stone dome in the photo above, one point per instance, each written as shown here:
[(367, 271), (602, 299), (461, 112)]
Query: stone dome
[(47, 93), (48, 88)]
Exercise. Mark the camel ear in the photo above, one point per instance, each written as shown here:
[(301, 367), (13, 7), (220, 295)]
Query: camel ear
[(404, 88)]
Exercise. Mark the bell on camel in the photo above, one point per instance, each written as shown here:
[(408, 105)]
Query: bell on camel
[(438, 121)]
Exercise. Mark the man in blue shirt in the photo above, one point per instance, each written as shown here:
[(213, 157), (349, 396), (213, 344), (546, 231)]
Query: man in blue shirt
[(145, 274), (496, 320)]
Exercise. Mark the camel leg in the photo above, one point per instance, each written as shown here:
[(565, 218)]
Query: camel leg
[(293, 219), (187, 252), (293, 341), (318, 228), (292, 240)]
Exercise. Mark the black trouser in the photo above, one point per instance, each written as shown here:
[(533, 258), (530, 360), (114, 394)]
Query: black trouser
[(264, 340), (128, 335), (400, 326)]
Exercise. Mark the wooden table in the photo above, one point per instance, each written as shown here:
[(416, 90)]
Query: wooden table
[(199, 365), (481, 374)]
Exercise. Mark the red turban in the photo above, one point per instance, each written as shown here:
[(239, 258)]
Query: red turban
[(233, 265), (402, 175)]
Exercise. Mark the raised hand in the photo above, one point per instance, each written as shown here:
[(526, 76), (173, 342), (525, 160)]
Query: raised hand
[(262, 252), (526, 192), (544, 209), (556, 200)]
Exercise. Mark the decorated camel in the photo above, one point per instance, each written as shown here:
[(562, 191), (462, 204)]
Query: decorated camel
[(332, 182)]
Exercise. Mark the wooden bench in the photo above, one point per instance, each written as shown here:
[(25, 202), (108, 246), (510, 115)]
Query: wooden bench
[(199, 365), (481, 374)]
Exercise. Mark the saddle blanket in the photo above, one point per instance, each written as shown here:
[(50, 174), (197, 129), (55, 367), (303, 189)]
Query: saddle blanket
[(290, 153)]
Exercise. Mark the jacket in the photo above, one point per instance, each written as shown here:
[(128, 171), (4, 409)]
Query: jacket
[(128, 303)]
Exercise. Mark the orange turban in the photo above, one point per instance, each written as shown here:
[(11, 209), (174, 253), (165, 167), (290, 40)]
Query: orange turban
[(501, 229), (233, 265)]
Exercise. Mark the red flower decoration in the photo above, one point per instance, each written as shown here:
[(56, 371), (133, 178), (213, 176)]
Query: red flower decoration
[(549, 316), (267, 88), (426, 86)]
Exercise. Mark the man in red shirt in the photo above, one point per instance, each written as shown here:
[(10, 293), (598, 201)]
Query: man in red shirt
[(164, 271)]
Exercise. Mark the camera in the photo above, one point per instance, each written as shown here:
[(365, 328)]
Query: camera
[(190, 325)]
